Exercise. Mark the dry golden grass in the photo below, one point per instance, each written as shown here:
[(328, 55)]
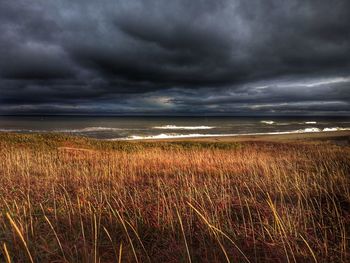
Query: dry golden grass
[(172, 202)]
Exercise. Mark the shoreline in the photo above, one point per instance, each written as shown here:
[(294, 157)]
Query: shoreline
[(305, 136), (323, 135), (240, 137)]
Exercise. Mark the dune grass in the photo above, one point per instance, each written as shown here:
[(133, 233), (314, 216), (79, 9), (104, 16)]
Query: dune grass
[(66, 199)]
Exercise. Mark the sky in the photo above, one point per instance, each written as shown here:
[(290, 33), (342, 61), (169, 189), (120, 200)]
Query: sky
[(179, 57)]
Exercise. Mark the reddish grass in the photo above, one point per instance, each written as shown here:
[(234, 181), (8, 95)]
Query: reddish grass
[(259, 202)]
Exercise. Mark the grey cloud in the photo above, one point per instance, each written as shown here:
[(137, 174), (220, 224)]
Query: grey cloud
[(212, 54)]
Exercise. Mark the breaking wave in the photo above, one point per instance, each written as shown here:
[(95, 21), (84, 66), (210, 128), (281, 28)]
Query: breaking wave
[(336, 129), (176, 135), (90, 129), (174, 127), (199, 135), (268, 122)]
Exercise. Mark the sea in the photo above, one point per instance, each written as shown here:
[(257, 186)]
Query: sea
[(143, 128)]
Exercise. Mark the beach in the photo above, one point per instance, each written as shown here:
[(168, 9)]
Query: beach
[(304, 137)]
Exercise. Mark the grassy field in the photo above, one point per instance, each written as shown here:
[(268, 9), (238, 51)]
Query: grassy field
[(67, 199)]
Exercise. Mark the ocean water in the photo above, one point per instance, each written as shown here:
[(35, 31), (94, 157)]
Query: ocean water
[(128, 128)]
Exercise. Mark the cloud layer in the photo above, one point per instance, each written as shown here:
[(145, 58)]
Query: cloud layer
[(175, 57)]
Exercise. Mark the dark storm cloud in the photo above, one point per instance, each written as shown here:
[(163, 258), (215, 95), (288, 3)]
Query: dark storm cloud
[(175, 57)]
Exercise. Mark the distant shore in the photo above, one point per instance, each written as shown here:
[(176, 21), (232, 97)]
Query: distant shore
[(340, 136), (332, 135)]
